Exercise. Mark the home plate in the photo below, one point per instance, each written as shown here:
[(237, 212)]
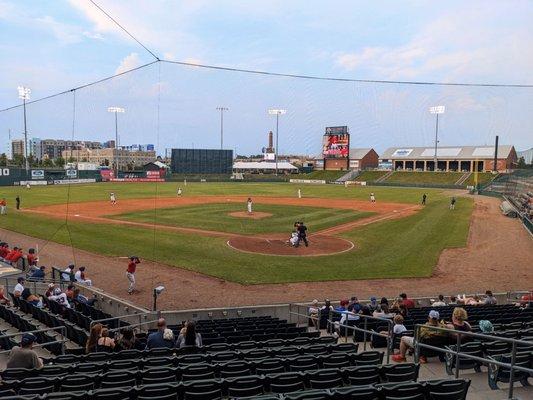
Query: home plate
[(76, 215)]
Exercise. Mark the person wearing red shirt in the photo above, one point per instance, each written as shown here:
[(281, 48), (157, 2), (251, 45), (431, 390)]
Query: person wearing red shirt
[(17, 255), (11, 254), (130, 273), (32, 258), (4, 250), (408, 303)]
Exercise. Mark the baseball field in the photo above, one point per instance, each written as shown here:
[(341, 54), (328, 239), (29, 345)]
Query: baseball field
[(207, 230)]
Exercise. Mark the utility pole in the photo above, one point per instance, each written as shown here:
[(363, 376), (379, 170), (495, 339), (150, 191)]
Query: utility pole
[(222, 109)]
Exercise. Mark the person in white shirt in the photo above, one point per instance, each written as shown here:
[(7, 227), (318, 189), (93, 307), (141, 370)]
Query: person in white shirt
[(299, 193), (79, 276), (60, 297), (440, 302), (67, 273), (249, 205), (19, 287)]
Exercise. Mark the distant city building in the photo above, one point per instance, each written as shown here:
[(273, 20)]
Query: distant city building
[(138, 147), (52, 148), (110, 156), (17, 147)]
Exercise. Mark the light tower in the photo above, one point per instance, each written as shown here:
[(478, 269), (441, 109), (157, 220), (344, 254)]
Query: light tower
[(116, 110), (277, 112), (436, 110), (24, 94)]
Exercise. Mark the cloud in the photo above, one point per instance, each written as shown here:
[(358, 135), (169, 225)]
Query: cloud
[(470, 45), (129, 62), (93, 35)]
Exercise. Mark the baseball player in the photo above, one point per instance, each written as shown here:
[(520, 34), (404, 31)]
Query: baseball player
[(452, 203), (179, 192), (299, 193), (3, 206), (372, 197), (249, 205), (113, 198), (130, 272)]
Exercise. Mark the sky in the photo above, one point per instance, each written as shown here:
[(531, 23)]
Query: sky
[(54, 46)]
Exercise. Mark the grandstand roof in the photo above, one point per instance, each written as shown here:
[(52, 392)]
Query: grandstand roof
[(451, 152), (357, 154), (263, 165)]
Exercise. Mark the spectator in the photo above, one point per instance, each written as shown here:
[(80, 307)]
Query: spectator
[(50, 291), (4, 250), (128, 341), (157, 339), (190, 337), (3, 299), (69, 292), (79, 276), (24, 356), (32, 258), (384, 303), (105, 344), (354, 305), (407, 342), (469, 301), (68, 274), (408, 303), (342, 306), (38, 274), (60, 297), (77, 296), (365, 310), (440, 302), (459, 317), (19, 287), (490, 300), (31, 298), (453, 301), (486, 327), (14, 256), (379, 313), (313, 313), (327, 307), (398, 328), (94, 336), (373, 304)]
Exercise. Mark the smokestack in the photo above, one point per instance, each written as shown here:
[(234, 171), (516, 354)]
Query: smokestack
[(270, 140), (495, 165)]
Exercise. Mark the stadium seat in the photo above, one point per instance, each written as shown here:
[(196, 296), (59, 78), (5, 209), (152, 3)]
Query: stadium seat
[(303, 363), (355, 392), (364, 375), (235, 368), (400, 372), (323, 379), (447, 389), (315, 394), (202, 390), (245, 386), (285, 383)]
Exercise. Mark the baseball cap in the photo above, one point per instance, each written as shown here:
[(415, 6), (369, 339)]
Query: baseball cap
[(434, 314), (485, 326), (373, 298), (27, 339)]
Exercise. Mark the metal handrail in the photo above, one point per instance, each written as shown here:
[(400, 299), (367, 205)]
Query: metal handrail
[(306, 316), (133, 325), (61, 328), (365, 330), (457, 353), (140, 315)]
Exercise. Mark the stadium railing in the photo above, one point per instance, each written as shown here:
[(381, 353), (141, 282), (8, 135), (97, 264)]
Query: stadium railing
[(458, 354), (62, 331)]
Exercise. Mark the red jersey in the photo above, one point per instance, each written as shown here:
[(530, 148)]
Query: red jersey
[(4, 251), (132, 265), (32, 259), (408, 303), (10, 255), (16, 255), (2, 202)]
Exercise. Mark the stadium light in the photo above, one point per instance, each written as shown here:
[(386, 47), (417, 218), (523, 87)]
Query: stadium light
[(222, 109), (436, 110), (116, 111), (24, 95), (277, 112)]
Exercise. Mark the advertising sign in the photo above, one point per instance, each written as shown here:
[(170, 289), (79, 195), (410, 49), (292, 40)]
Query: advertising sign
[(72, 173), (37, 174), (336, 142)]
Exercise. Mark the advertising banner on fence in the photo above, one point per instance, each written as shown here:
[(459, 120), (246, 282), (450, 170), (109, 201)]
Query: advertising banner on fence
[(136, 180), (71, 173), (315, 181), (31, 183), (72, 181), (37, 174)]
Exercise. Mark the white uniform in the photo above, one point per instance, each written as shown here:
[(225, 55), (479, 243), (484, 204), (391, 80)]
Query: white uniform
[(294, 239), (113, 198), (179, 191), (299, 193), (249, 206), (372, 198)]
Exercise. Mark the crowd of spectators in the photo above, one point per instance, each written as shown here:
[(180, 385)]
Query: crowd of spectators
[(353, 310), (100, 339)]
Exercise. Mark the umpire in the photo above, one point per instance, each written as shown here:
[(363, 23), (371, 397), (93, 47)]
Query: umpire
[(302, 233)]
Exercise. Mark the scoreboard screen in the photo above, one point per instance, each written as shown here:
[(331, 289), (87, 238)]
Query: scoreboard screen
[(336, 142)]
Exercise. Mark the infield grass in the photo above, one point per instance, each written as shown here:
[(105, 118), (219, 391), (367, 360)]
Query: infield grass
[(407, 247), (215, 217)]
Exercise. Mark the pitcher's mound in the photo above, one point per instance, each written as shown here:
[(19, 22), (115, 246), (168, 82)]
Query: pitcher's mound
[(318, 246), (254, 215)]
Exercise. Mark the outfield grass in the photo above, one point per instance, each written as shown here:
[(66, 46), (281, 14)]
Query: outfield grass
[(215, 217), (407, 247), (59, 194), (442, 178), (370, 176)]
